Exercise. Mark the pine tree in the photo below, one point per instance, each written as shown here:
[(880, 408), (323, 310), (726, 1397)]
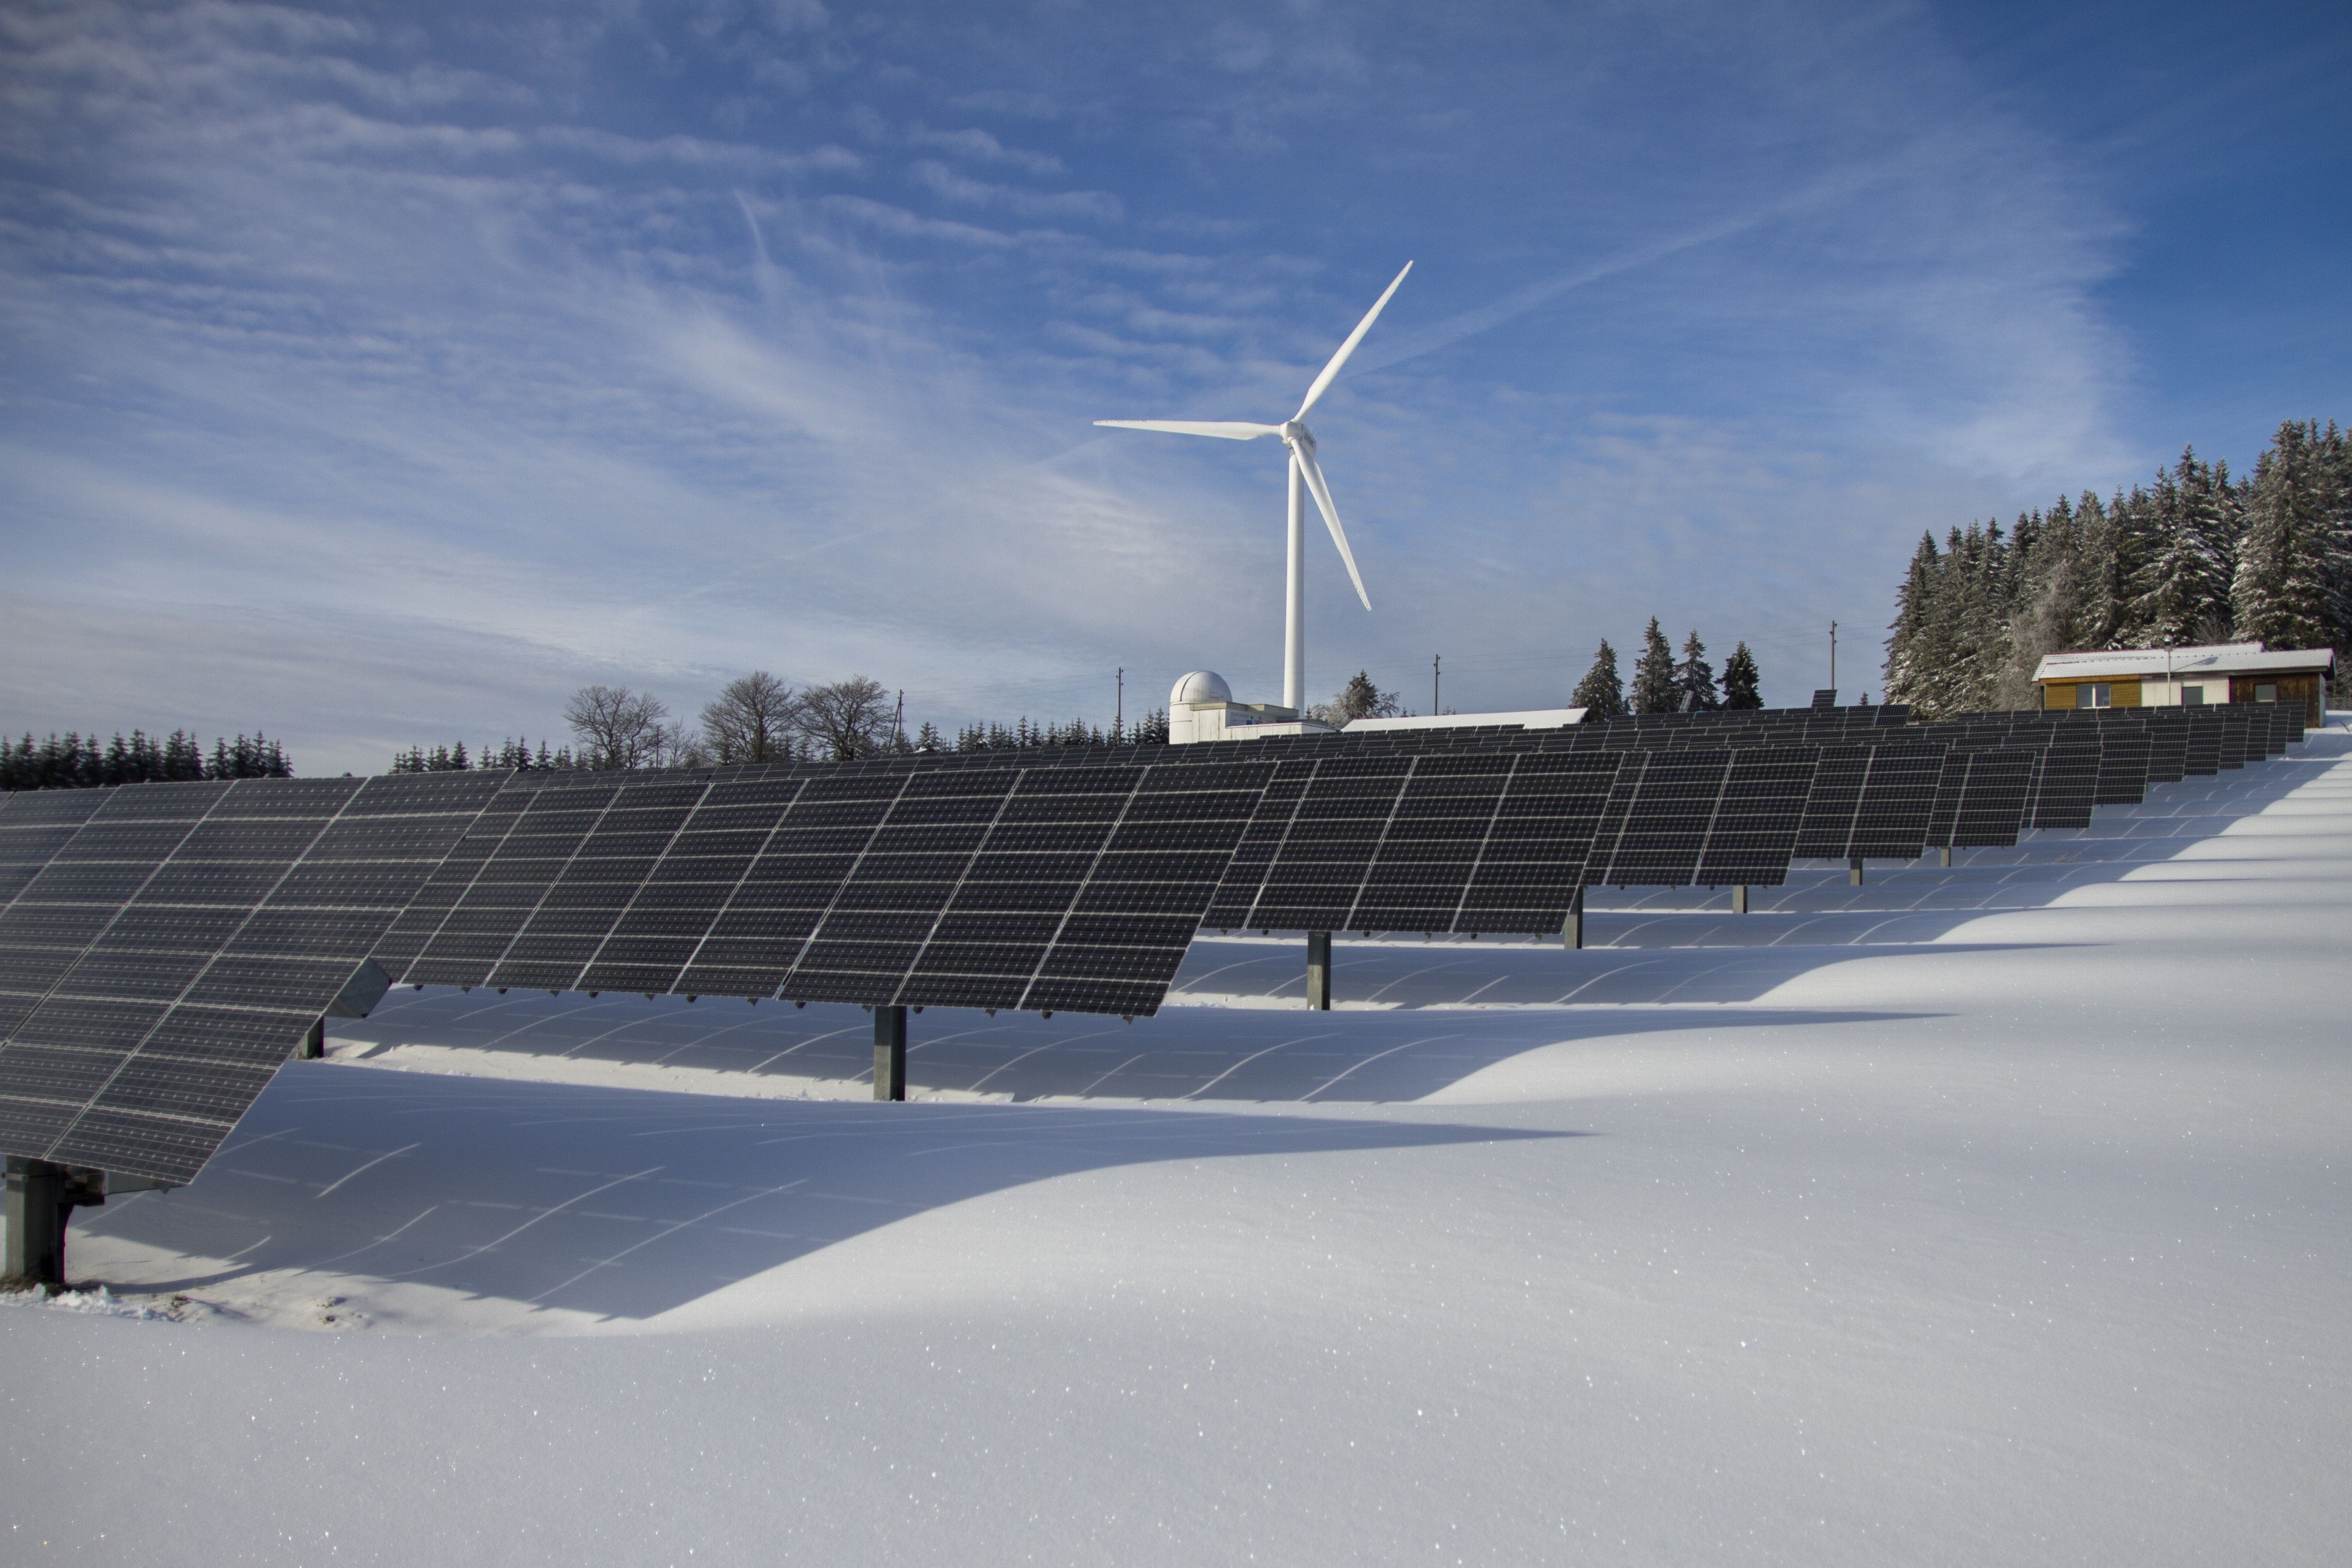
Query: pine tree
[(1740, 681), (2289, 556), (1654, 675), (1601, 694), (2335, 469), (926, 739), (1906, 672), (1695, 679), (2174, 589)]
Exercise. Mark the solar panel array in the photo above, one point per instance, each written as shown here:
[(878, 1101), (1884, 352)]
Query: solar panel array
[(163, 946), (158, 967), (1032, 887), (1445, 840)]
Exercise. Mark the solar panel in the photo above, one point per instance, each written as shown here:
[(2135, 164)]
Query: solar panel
[(2168, 745), (2204, 754), (2234, 726), (1679, 818), (2123, 753), (73, 897), (2068, 779), (2275, 727), (1982, 797), (145, 1050), (1442, 840), (1871, 800), (35, 824), (1012, 881)]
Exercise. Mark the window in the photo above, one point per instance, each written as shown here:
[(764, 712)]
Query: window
[(2266, 694), (2093, 693), (2194, 696)]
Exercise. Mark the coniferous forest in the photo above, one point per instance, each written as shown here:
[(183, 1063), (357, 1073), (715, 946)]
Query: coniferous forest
[(80, 762), (2193, 557)]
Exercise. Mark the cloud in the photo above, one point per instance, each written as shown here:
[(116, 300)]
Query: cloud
[(978, 146), (941, 181), (438, 369)]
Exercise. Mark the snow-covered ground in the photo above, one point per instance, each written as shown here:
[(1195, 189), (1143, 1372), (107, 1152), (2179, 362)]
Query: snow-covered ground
[(1981, 1215)]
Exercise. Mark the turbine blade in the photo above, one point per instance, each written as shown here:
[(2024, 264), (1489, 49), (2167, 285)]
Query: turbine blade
[(1330, 372), (1307, 466), (1227, 430)]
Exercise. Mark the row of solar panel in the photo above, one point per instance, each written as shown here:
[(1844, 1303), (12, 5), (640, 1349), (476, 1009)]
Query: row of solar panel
[(162, 946)]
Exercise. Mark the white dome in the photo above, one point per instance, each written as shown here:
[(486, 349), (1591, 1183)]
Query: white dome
[(1201, 686)]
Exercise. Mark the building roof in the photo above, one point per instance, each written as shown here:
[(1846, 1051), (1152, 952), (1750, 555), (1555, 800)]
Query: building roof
[(2215, 659), (1526, 718)]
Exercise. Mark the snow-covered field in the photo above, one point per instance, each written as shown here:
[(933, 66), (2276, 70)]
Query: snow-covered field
[(1981, 1215)]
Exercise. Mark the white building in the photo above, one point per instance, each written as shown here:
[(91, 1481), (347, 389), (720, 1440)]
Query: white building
[(1202, 707)]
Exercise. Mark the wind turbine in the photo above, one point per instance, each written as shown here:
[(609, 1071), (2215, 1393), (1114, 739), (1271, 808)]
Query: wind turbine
[(1304, 475)]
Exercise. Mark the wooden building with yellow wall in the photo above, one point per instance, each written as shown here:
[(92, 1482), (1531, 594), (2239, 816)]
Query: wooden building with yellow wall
[(2165, 677)]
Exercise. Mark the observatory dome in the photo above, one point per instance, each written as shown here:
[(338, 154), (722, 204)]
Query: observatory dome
[(1201, 686)]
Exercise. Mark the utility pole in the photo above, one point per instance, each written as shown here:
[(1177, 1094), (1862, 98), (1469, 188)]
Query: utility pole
[(1833, 658), (1118, 708), (898, 722), (1433, 709)]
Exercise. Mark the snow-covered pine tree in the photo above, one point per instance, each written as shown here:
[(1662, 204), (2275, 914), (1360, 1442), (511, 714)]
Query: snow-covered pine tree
[(2174, 587), (2213, 516), (1695, 679), (2335, 468), (1602, 693), (1906, 672), (1741, 684), (2280, 594), (1654, 675)]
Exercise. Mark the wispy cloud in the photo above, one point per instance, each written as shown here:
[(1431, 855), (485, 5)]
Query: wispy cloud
[(447, 367)]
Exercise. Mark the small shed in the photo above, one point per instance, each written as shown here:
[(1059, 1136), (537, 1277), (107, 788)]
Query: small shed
[(2167, 677)]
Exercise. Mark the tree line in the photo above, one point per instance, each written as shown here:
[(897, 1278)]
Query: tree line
[(2193, 557), (80, 762), (758, 717), (1665, 684)]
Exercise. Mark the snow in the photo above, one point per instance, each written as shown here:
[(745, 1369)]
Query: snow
[(1988, 1215)]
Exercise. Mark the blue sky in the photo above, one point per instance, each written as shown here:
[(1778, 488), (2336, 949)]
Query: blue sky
[(380, 376)]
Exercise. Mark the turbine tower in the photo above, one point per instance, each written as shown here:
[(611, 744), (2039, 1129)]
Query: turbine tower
[(1304, 474)]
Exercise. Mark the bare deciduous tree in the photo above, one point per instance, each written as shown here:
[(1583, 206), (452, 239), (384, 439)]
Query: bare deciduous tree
[(617, 727), (676, 746), (847, 718), (752, 721)]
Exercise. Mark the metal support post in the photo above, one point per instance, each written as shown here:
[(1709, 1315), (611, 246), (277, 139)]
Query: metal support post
[(1571, 930), (41, 1197), (1739, 899), (889, 1053), (314, 1042), (1854, 871), (1944, 856), (1319, 970)]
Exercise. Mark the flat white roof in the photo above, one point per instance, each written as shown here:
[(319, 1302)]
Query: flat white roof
[(2215, 659), (1526, 718)]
